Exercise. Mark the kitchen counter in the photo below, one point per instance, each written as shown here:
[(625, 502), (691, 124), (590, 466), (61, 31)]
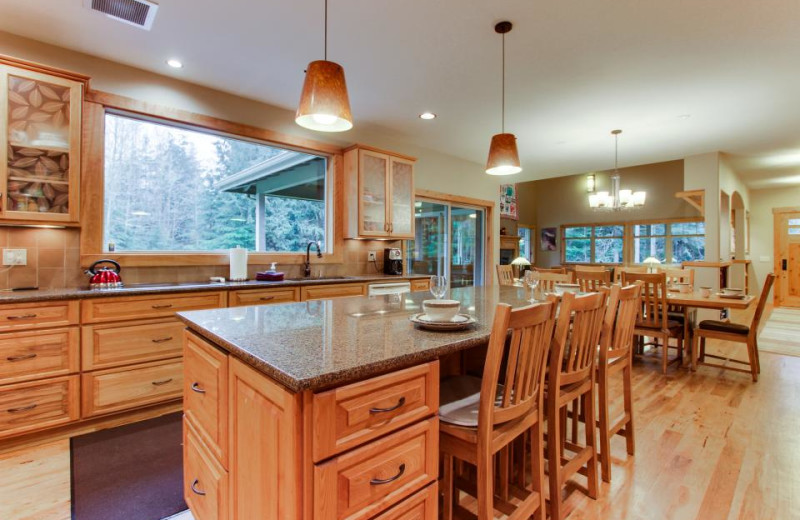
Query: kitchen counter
[(79, 293), (319, 344)]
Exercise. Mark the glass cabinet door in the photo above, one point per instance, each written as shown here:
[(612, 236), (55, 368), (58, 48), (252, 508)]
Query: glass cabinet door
[(42, 118), (373, 193), (402, 189)]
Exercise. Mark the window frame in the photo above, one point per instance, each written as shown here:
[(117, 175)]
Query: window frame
[(592, 238), (95, 107)]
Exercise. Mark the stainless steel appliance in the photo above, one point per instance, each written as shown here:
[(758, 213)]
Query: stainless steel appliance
[(392, 261)]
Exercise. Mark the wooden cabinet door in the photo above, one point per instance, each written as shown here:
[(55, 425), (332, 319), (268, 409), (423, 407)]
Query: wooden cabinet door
[(205, 482), (373, 193), (40, 122), (401, 190)]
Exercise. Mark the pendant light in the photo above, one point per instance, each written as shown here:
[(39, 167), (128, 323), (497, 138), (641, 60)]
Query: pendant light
[(617, 199), (324, 104), (503, 155)]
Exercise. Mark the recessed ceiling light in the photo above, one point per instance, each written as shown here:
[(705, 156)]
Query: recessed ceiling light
[(427, 115), (175, 64), (684, 116)]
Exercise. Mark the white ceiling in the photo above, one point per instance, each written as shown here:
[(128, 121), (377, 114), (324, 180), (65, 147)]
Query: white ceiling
[(576, 69)]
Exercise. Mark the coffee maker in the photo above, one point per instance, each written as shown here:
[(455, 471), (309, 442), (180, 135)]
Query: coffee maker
[(392, 261)]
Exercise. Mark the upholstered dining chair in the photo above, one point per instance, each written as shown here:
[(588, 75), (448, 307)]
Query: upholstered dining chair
[(505, 274), (479, 417)]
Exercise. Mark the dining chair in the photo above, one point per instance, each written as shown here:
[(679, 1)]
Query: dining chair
[(733, 332), (505, 274), (592, 281), (590, 268), (654, 320), (480, 417), (676, 312), (619, 270), (571, 376), (679, 276), (556, 270), (616, 352), (548, 281)]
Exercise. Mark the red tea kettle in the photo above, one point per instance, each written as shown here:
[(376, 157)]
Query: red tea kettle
[(104, 277)]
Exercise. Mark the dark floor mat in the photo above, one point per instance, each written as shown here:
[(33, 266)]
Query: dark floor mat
[(133, 472)]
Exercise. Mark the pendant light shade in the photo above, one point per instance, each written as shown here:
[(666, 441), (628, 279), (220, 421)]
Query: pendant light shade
[(503, 155), (324, 104)]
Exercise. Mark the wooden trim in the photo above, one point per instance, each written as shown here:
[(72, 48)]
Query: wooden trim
[(46, 69), (788, 209), (696, 198), (379, 150), (458, 199)]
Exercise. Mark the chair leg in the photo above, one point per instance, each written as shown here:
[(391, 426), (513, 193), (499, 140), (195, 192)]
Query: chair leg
[(605, 444), (447, 487), (554, 449), (627, 394), (575, 418), (537, 467), (504, 470), (591, 442), (702, 349), (758, 357), (485, 484), (664, 355), (695, 340), (751, 353)]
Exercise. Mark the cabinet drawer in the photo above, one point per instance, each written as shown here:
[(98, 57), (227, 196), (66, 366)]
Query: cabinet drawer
[(361, 483), (37, 405), (205, 482), (354, 414), (420, 285), (25, 316), (320, 292), (122, 388), (205, 394), (133, 307), (106, 346), (263, 296), (25, 356), (419, 506)]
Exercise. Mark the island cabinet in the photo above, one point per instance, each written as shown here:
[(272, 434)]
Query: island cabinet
[(256, 449), (379, 194)]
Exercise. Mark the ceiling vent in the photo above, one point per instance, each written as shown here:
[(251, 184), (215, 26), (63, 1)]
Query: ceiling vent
[(140, 13)]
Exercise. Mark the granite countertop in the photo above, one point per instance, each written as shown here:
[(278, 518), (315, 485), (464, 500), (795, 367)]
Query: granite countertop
[(323, 343), (80, 293)]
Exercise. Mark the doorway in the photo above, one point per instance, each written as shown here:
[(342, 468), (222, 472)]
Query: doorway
[(449, 241), (787, 257)]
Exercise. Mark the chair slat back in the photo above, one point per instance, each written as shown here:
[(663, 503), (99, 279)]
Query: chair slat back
[(592, 281), (548, 281), (619, 270), (679, 276), (762, 302), (590, 268), (505, 275), (622, 311), (577, 335), (654, 297), (556, 270), (526, 353)]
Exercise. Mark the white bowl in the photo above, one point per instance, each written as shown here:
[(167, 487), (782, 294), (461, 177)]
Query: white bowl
[(441, 310), (731, 291), (562, 288), (684, 288)]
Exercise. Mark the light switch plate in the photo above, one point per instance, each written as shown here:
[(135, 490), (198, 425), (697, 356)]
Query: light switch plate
[(15, 257)]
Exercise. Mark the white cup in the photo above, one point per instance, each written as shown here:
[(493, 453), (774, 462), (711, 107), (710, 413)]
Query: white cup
[(705, 292)]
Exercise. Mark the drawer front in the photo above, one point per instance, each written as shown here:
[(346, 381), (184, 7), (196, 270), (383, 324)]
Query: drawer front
[(106, 346), (420, 285), (38, 405), (351, 415), (205, 482), (123, 388), (25, 316), (263, 297), (366, 481), (419, 506), (205, 394), (133, 307), (25, 356), (321, 292)]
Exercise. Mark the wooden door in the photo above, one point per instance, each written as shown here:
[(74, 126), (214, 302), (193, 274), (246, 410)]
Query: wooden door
[(373, 193), (787, 257), (401, 216)]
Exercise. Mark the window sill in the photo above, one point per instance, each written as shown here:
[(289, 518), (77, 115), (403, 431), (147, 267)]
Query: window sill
[(176, 259)]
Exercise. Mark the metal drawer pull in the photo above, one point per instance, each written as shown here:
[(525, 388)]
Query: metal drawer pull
[(197, 491), (196, 388), (162, 382), (165, 306), (266, 298), (379, 481), (161, 340), (21, 358), (400, 402), (22, 317), (22, 408)]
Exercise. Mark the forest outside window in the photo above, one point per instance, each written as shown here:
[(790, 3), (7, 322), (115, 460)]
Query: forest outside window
[(177, 188), (669, 242), (594, 244)]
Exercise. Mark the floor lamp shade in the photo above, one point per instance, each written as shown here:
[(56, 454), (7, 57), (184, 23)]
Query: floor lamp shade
[(503, 155), (324, 104)]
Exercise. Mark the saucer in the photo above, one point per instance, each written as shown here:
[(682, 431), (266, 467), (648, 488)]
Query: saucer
[(459, 322)]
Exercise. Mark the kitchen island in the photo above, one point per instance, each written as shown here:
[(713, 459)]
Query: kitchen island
[(319, 410)]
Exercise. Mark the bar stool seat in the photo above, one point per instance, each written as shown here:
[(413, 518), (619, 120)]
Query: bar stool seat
[(460, 399), (724, 326)]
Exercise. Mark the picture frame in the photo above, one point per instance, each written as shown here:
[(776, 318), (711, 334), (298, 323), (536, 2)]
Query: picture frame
[(548, 239)]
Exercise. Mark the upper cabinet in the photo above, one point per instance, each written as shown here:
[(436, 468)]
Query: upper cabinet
[(379, 198), (40, 125)]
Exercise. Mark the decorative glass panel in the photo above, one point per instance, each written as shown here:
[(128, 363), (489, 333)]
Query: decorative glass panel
[(794, 221), (794, 231), (373, 195), (402, 198)]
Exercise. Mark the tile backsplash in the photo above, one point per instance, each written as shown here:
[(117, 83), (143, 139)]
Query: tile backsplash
[(53, 261)]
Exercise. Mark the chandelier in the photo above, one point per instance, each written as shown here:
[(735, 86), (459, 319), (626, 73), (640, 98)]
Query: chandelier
[(617, 199)]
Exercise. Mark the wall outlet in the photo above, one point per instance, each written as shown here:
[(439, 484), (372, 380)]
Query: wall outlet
[(371, 256), (15, 257)]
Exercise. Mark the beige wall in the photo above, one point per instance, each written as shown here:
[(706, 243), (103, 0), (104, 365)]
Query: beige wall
[(762, 247), (434, 171)]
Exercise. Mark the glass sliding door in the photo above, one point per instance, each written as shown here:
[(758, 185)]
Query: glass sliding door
[(449, 241)]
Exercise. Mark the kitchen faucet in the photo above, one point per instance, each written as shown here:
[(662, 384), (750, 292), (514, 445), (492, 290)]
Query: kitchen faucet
[(308, 255)]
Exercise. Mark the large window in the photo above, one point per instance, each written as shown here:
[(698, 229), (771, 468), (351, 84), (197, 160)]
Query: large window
[(174, 188), (525, 246), (594, 244), (669, 242)]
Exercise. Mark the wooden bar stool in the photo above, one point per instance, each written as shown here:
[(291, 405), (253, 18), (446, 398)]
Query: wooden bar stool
[(733, 332), (479, 417), (571, 376)]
